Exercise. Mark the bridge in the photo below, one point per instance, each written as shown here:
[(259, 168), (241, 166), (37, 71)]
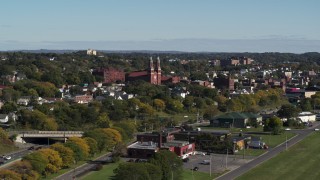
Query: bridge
[(23, 135)]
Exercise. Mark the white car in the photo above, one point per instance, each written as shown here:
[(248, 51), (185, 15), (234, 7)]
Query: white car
[(7, 157), (316, 129), (287, 129), (199, 153)]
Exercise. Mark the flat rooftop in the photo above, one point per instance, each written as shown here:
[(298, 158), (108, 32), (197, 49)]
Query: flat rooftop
[(144, 145)]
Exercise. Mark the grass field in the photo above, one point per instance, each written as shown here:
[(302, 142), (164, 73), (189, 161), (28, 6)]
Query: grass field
[(5, 148), (270, 140), (197, 175), (105, 173), (300, 162)]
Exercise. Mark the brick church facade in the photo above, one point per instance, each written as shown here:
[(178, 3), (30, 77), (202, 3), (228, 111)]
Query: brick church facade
[(151, 75)]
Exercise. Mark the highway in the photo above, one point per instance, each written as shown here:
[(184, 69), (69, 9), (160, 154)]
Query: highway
[(301, 134), (83, 169)]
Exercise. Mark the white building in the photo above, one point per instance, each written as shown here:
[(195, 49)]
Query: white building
[(307, 117), (91, 52)]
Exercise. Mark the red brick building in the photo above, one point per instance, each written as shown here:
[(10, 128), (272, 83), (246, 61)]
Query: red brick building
[(110, 75)]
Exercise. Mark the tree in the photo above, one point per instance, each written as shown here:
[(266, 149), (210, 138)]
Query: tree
[(37, 160), (120, 149), (273, 124), (114, 134), (159, 104), (103, 120), (79, 146), (288, 111), (104, 141), (134, 171), (128, 126), (305, 104), (24, 168), (8, 174), (138, 171), (37, 120), (169, 163), (93, 145), (65, 153), (54, 160)]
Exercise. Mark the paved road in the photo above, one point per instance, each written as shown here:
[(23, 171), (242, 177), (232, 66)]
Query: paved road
[(301, 134), (81, 170)]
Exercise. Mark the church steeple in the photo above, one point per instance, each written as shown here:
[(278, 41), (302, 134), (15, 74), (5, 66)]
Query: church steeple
[(151, 68), (158, 68)]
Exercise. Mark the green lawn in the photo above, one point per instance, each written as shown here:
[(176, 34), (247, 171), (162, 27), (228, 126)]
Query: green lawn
[(270, 140), (104, 173), (233, 130), (300, 162), (107, 172), (197, 175), (5, 148)]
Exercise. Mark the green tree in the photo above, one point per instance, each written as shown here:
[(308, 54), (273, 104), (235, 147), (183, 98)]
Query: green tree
[(10, 175), (93, 145), (104, 140), (37, 160), (134, 171), (169, 163), (273, 124), (288, 111), (54, 160), (24, 169), (65, 153), (79, 147), (103, 120), (159, 104)]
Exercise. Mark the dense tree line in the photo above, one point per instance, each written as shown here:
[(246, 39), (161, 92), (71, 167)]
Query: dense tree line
[(43, 162)]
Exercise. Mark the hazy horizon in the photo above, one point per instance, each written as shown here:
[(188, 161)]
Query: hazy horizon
[(192, 26)]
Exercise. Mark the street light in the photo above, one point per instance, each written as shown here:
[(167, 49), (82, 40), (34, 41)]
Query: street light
[(210, 163)]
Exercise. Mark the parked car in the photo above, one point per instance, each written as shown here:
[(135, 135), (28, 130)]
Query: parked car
[(195, 168), (316, 129), (205, 162), (199, 153), (6, 157)]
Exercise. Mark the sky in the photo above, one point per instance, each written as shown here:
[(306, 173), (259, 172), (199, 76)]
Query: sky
[(164, 25)]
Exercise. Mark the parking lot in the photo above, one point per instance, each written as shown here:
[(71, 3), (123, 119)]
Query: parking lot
[(220, 162)]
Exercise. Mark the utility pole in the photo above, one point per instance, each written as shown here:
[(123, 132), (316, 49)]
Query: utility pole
[(210, 163), (286, 142), (227, 159)]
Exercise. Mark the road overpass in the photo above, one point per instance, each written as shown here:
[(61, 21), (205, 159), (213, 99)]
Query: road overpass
[(22, 136)]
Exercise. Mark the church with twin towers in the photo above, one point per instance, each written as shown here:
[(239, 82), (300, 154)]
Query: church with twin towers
[(151, 75)]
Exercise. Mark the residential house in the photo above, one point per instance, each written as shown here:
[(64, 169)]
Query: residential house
[(24, 100), (83, 99)]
